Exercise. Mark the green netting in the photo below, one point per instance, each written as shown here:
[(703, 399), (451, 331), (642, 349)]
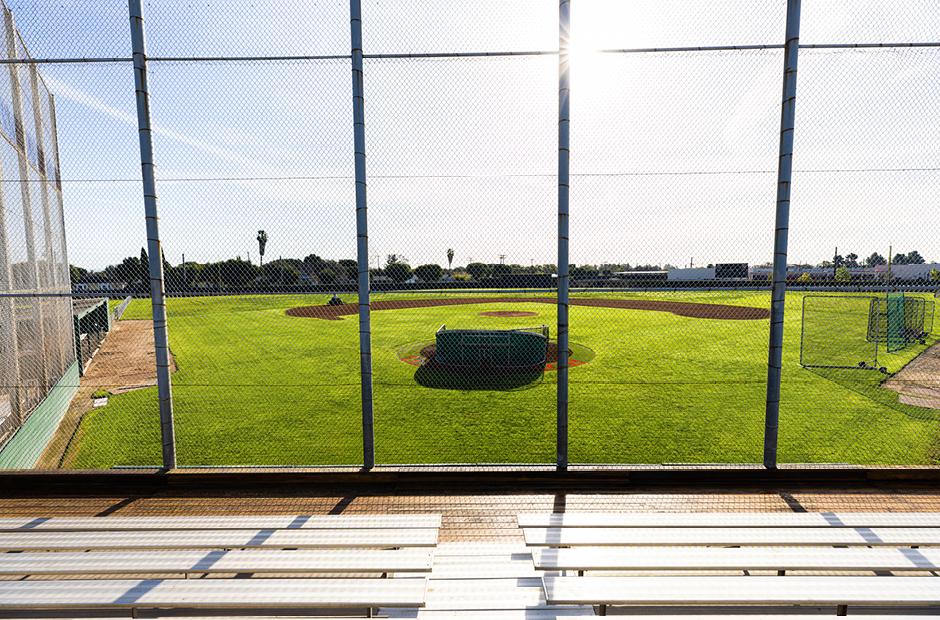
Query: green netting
[(896, 338)]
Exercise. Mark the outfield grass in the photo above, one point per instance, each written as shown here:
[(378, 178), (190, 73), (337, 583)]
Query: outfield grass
[(256, 387)]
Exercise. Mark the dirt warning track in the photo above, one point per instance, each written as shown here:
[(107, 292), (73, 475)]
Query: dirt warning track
[(680, 308)]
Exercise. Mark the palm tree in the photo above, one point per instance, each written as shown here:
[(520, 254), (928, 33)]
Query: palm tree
[(450, 258), (262, 241)]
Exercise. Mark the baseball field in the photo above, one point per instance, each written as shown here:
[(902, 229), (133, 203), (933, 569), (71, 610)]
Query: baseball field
[(660, 378)]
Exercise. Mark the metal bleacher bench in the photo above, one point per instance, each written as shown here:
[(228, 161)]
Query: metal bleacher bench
[(667, 547), (303, 563)]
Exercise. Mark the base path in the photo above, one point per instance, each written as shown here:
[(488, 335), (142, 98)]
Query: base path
[(680, 308), (918, 383)]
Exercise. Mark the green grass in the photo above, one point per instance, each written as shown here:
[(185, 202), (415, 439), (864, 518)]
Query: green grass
[(256, 387)]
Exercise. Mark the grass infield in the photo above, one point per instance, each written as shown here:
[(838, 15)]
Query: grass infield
[(255, 386)]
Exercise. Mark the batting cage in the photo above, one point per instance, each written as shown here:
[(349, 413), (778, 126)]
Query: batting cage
[(848, 331)]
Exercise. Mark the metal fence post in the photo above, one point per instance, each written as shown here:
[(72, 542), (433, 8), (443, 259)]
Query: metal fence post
[(60, 210), (53, 276), (362, 237), (154, 252), (10, 378), (778, 295), (564, 89)]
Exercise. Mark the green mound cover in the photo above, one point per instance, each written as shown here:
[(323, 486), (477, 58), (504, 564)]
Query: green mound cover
[(491, 348)]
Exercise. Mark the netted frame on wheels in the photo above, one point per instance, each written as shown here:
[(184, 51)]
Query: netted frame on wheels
[(841, 331), (899, 320)]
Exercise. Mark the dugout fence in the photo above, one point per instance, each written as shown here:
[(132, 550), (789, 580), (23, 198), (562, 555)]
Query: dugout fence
[(92, 322)]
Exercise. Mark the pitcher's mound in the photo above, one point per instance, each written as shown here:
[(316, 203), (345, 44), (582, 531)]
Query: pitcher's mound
[(508, 313)]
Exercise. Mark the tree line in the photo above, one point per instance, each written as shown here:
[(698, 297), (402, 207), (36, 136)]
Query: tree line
[(132, 273), (852, 261)]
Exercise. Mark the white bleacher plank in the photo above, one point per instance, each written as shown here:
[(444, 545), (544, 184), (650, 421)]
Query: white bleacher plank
[(412, 559), (688, 591), (334, 522), (725, 519), (212, 593), (484, 594), (483, 567), (649, 536), (216, 539), (744, 558)]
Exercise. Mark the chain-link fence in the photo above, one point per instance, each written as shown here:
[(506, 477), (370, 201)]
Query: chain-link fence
[(498, 232), (37, 353)]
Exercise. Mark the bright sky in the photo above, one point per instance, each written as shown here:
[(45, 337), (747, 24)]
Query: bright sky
[(674, 156)]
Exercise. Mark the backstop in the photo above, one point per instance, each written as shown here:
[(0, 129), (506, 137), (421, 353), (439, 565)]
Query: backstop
[(37, 353)]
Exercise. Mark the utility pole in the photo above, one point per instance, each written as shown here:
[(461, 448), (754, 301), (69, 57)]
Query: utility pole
[(890, 258)]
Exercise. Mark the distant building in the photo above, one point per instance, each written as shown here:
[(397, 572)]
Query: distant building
[(691, 273), (721, 271), (908, 272), (816, 274), (639, 277)]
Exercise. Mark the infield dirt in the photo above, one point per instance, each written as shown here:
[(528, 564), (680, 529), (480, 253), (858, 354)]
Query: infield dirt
[(680, 308)]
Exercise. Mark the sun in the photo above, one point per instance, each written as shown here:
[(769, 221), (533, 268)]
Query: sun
[(584, 59)]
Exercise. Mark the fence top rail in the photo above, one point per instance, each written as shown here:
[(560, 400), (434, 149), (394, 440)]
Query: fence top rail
[(471, 54)]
